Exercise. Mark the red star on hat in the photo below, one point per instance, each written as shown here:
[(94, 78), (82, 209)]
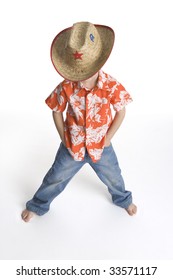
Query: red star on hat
[(78, 55)]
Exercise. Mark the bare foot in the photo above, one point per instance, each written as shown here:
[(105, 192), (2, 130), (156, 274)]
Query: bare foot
[(27, 215), (132, 209)]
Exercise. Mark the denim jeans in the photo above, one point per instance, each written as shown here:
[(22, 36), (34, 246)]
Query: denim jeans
[(65, 167)]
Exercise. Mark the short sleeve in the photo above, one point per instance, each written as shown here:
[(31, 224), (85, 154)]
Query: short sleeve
[(57, 99), (120, 97)]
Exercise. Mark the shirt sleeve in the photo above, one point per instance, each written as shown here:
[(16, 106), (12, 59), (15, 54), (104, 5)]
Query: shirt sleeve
[(57, 99), (120, 97)]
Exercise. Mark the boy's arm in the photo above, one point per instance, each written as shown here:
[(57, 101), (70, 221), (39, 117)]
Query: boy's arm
[(59, 123), (117, 121)]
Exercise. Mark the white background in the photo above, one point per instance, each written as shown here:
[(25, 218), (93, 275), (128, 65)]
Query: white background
[(83, 223)]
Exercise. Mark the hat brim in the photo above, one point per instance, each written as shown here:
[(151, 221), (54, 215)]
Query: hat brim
[(83, 72)]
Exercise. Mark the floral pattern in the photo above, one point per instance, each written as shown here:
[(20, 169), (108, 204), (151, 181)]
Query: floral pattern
[(88, 116)]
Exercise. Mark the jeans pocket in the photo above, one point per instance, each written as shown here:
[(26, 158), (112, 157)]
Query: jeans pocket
[(107, 147), (63, 144)]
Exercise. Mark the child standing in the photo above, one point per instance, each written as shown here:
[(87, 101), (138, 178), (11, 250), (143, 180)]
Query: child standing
[(78, 54)]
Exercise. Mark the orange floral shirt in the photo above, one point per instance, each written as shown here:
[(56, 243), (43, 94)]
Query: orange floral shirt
[(88, 116)]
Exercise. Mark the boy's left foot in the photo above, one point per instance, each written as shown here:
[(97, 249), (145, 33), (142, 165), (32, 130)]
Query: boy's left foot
[(132, 209)]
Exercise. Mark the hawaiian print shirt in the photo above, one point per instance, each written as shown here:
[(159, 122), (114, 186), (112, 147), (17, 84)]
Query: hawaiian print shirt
[(88, 116)]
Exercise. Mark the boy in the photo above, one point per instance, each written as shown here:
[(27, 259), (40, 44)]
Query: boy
[(78, 54)]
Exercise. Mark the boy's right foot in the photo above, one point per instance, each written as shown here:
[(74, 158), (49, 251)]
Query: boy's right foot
[(27, 215)]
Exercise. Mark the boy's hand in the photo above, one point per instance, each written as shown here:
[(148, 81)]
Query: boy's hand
[(107, 142), (63, 141)]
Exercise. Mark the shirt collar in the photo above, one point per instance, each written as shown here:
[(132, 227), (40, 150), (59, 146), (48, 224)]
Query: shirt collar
[(101, 83)]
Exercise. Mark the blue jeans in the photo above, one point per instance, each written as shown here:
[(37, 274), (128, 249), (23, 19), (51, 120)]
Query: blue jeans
[(65, 167)]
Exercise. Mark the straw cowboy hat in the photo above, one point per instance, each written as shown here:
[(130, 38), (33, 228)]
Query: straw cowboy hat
[(80, 51)]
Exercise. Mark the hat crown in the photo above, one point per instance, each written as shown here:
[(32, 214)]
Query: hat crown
[(83, 35)]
